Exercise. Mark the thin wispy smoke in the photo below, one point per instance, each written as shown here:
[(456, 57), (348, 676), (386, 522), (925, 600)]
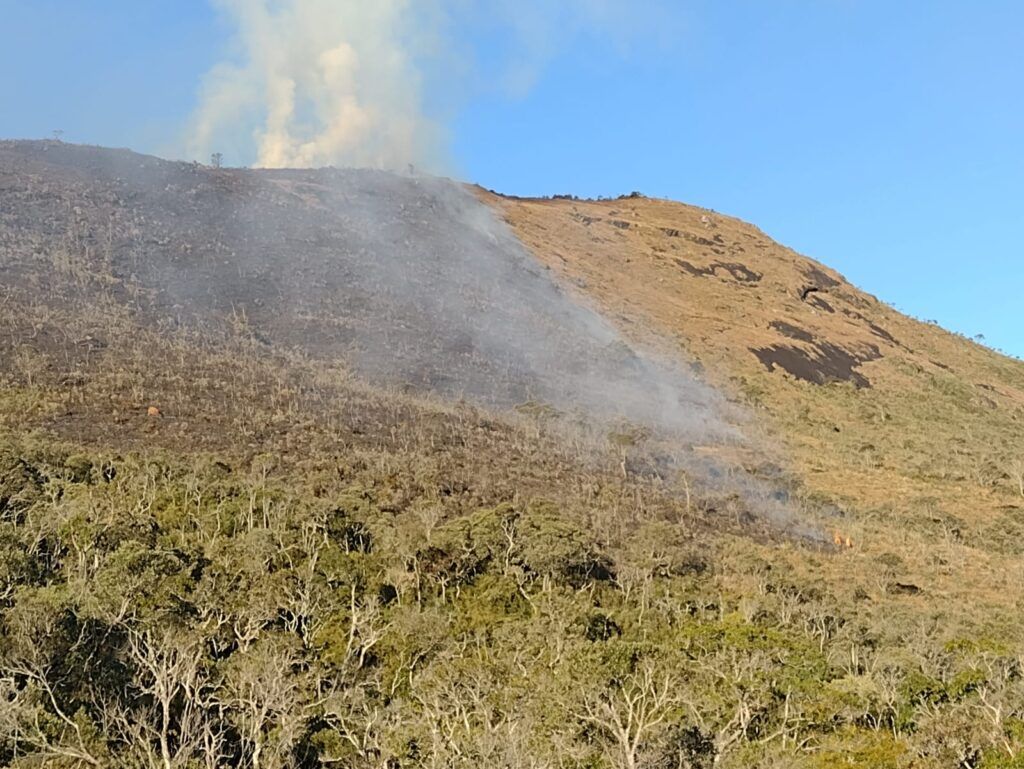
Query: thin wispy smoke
[(347, 82)]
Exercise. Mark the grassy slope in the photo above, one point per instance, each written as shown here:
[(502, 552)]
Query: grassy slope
[(922, 459)]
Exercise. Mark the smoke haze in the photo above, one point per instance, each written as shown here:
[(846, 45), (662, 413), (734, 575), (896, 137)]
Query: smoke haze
[(424, 285)]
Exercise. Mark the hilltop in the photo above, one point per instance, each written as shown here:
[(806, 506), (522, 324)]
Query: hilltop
[(333, 467)]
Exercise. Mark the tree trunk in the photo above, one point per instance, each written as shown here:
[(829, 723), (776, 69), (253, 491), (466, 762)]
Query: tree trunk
[(165, 749)]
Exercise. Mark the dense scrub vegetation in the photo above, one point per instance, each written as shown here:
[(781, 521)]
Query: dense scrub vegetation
[(160, 612)]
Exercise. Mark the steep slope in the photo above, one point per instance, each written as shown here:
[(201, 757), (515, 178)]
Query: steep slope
[(916, 432), (404, 282), (408, 280), (786, 330), (332, 461), (151, 305)]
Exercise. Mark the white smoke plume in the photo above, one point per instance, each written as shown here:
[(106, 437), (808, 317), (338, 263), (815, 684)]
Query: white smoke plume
[(344, 82), (321, 82)]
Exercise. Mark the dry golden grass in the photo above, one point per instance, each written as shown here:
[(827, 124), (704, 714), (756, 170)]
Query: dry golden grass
[(920, 459)]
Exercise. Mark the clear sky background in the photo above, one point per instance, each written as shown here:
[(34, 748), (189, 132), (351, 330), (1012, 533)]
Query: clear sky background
[(885, 139)]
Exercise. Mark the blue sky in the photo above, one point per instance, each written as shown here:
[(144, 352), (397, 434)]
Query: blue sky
[(885, 139)]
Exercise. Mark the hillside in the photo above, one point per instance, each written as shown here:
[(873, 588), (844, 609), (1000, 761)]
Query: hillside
[(915, 431), (332, 468)]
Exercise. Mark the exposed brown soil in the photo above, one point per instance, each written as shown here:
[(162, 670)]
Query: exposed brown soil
[(790, 331), (819, 363), (739, 272)]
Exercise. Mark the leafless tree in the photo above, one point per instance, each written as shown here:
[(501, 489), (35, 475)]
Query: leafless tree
[(171, 679), (265, 699), (630, 711), (33, 720)]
